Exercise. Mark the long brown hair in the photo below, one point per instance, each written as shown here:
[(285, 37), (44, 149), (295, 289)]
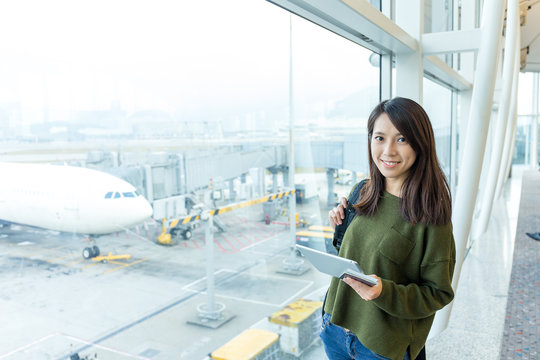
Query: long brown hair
[(425, 192)]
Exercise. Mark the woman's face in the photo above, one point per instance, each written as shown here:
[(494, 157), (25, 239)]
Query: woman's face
[(391, 153)]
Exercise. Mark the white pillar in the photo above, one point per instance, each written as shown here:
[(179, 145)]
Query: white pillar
[(482, 97), (509, 140), (386, 59), (489, 144), (410, 66), (292, 198), (466, 63), (512, 144), (534, 123), (505, 171), (454, 144), (210, 282), (495, 162)]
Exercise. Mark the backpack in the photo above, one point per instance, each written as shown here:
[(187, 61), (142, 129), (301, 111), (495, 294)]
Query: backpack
[(350, 212)]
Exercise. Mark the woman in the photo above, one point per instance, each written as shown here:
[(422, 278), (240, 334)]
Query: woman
[(402, 233)]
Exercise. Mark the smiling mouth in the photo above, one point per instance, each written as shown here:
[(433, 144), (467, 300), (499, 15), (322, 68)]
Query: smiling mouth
[(390, 163)]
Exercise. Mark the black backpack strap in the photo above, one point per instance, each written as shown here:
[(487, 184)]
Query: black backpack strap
[(355, 194), (339, 231)]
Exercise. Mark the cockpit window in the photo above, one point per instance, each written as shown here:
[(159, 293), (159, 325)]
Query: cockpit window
[(118, 195)]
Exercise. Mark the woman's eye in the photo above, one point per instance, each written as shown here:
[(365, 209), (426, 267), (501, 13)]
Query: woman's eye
[(378, 138), (402, 140)]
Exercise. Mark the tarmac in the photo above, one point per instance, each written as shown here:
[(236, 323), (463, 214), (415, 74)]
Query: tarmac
[(56, 304)]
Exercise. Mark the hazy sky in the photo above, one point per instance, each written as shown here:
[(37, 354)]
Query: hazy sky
[(185, 57)]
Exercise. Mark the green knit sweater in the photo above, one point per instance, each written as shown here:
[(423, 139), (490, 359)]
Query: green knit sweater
[(415, 263)]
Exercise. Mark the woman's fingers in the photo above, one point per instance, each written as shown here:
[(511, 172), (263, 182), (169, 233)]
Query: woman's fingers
[(366, 292), (331, 218), (336, 215), (334, 219)]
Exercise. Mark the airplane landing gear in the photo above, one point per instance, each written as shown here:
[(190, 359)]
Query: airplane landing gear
[(90, 252)]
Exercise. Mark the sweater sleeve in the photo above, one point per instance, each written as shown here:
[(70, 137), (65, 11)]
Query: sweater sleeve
[(433, 290)]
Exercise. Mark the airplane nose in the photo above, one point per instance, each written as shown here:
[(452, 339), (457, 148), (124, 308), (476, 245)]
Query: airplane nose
[(131, 213), (146, 210)]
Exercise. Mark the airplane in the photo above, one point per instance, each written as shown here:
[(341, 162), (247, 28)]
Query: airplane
[(69, 199)]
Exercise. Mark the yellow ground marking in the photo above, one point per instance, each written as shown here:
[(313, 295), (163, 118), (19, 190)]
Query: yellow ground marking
[(123, 265), (110, 257)]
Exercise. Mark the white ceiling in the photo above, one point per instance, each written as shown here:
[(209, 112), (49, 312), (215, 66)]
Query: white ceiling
[(530, 34)]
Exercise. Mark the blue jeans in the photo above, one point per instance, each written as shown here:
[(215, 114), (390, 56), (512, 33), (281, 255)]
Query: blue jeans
[(340, 344)]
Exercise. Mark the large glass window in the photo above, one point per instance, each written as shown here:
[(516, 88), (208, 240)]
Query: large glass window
[(333, 97), (187, 104), (438, 17), (438, 105), (521, 151), (525, 119)]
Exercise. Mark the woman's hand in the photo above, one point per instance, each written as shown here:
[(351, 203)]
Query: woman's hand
[(337, 214), (366, 292)]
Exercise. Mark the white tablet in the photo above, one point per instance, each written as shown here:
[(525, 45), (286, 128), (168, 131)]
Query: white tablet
[(335, 265)]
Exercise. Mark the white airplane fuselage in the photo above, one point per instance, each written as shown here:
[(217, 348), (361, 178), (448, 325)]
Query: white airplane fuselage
[(69, 199)]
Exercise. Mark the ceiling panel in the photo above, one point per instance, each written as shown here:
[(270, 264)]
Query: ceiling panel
[(530, 34)]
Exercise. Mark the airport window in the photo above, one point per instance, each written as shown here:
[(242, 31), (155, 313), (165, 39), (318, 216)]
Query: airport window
[(525, 121), (183, 104), (438, 105), (521, 152), (439, 17), (333, 98)]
